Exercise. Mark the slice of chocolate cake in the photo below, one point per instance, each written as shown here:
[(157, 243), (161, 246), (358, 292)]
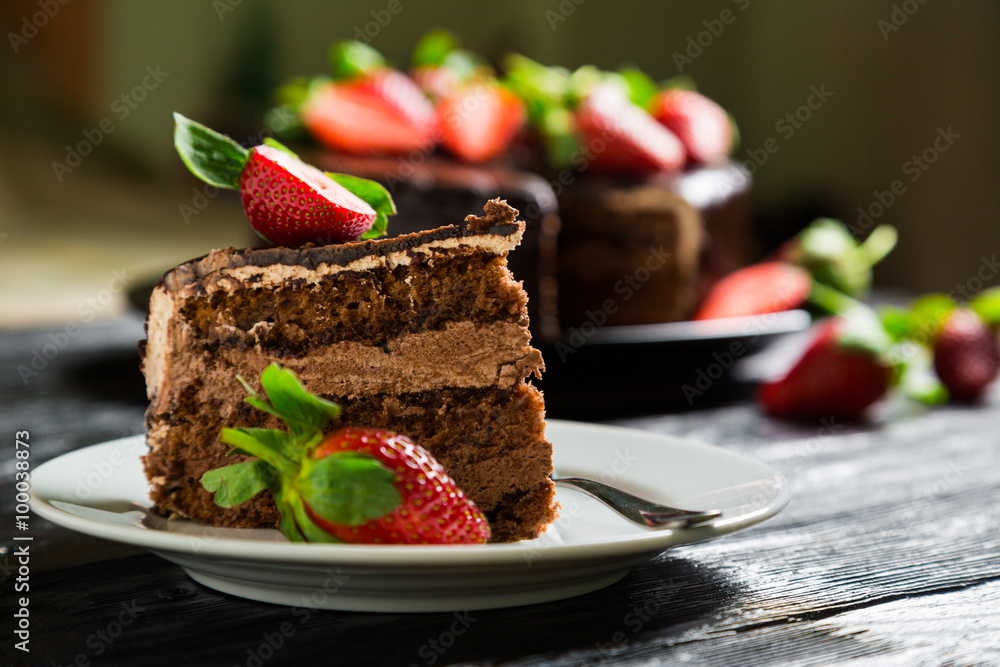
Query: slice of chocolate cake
[(424, 334)]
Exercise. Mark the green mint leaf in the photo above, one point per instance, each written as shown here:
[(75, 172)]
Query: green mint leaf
[(303, 413), (350, 60), (986, 304), (433, 47), (642, 89), (212, 157), (235, 484), (679, 82), (274, 143), (348, 488), (374, 195)]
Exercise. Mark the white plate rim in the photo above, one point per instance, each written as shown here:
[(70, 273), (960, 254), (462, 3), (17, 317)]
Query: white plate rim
[(413, 556)]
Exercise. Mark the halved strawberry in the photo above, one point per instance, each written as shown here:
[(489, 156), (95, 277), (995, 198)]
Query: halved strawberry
[(832, 379), (287, 201), (360, 485), (290, 202), (769, 287), (702, 125), (622, 138), (383, 113), (479, 120)]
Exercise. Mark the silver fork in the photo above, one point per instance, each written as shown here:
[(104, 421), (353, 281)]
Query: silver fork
[(643, 512)]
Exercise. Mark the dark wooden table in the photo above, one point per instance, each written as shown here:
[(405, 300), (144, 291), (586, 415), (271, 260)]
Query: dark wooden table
[(889, 553)]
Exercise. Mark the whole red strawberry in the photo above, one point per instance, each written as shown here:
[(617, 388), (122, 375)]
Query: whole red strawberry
[(622, 137), (433, 509), (966, 357), (359, 485), (830, 380), (702, 125), (287, 201)]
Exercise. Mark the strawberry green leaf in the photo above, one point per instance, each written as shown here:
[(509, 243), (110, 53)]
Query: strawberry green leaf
[(348, 488), (917, 380), (287, 524), (642, 89), (212, 157), (282, 443), (986, 304), (433, 48), (300, 525), (235, 484), (267, 445), (929, 313), (862, 330), (274, 143), (303, 413), (879, 243), (679, 82), (353, 59), (897, 322), (374, 195)]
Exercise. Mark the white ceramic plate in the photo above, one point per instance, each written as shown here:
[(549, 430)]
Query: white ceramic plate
[(101, 491)]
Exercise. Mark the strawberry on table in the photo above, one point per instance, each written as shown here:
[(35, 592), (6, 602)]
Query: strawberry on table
[(358, 485), (769, 287), (966, 357), (701, 125), (841, 374), (287, 201)]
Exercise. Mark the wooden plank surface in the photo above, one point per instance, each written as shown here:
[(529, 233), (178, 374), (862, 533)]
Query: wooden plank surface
[(889, 553)]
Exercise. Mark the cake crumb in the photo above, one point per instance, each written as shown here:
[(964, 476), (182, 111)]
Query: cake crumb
[(498, 212)]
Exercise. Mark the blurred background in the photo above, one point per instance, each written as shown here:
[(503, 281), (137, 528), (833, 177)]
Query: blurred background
[(93, 196)]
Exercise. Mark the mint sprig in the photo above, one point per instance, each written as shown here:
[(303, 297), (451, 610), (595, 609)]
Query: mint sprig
[(350, 60), (345, 488), (212, 157)]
